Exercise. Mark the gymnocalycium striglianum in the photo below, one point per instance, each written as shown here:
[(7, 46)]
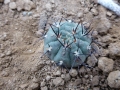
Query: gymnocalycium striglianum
[(68, 43)]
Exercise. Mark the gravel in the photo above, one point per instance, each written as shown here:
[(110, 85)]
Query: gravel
[(21, 67), (12, 5), (58, 81), (105, 64), (114, 79), (95, 81), (73, 72), (6, 1), (114, 49), (25, 5)]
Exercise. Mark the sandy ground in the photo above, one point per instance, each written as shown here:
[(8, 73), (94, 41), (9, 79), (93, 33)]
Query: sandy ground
[(21, 46)]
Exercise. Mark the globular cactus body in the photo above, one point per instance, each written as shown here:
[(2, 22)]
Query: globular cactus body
[(67, 42)]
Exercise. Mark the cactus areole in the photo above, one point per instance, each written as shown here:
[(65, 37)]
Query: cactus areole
[(67, 43)]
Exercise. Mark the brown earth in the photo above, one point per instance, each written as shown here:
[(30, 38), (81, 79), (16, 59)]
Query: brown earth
[(21, 46)]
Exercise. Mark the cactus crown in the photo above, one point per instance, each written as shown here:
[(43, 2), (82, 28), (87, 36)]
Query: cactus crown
[(67, 43)]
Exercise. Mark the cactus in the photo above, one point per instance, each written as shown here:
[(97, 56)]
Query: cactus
[(67, 43)]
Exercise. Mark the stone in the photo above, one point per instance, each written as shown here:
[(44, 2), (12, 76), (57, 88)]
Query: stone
[(57, 73), (94, 11), (8, 53), (20, 5), (52, 1), (114, 79), (91, 61), (23, 86), (86, 10), (48, 77), (44, 88), (6, 1), (4, 37), (4, 73), (95, 81), (94, 34), (43, 21), (96, 88), (67, 77), (42, 84), (106, 39), (105, 64), (36, 15), (48, 7), (73, 72), (86, 76), (109, 13), (24, 13), (77, 82), (2, 55), (105, 52), (28, 5), (82, 70), (30, 13), (25, 4), (63, 76), (114, 49), (12, 5), (104, 26), (58, 81), (34, 86), (80, 15), (35, 80)]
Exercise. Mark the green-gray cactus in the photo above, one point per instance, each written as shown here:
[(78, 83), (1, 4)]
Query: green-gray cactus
[(67, 43)]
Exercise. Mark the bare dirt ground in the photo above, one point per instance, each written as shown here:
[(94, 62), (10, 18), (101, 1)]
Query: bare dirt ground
[(21, 45)]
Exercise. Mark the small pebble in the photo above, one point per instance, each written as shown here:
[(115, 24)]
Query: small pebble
[(25, 4), (36, 15), (23, 86), (12, 5), (4, 74), (94, 11), (44, 88), (2, 55), (114, 49), (58, 73), (63, 76), (8, 53), (105, 64), (106, 39), (73, 72), (109, 14), (86, 10), (42, 84), (95, 81), (30, 13), (80, 14), (34, 86), (58, 81), (6, 1), (48, 77), (114, 79), (77, 82), (96, 88), (24, 13), (67, 77), (86, 76), (48, 7), (35, 80)]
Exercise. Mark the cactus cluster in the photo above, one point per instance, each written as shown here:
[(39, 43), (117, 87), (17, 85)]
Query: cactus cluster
[(68, 43)]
